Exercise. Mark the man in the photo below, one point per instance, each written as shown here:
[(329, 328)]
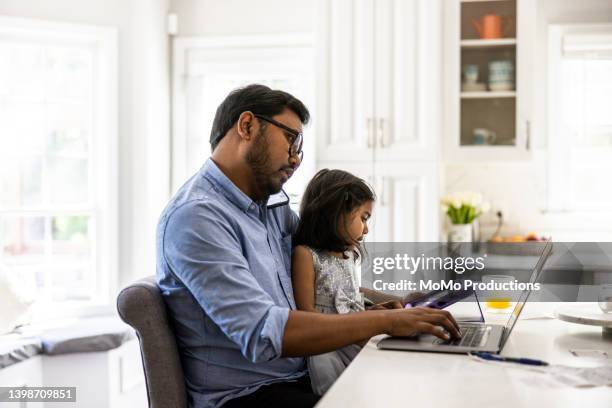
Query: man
[(223, 265)]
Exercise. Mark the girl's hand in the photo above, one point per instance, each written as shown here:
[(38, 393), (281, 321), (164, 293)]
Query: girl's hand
[(392, 304), (411, 297)]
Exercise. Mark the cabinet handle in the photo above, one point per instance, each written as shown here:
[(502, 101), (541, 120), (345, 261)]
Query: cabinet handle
[(369, 133), (381, 132), (527, 134), (383, 201)]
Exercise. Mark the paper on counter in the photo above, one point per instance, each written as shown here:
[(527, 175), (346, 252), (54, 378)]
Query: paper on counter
[(565, 376), (555, 376), (598, 355)]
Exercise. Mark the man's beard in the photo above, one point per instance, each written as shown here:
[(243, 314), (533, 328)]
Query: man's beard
[(258, 158)]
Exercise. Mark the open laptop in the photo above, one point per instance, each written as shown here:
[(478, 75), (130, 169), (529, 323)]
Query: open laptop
[(475, 336)]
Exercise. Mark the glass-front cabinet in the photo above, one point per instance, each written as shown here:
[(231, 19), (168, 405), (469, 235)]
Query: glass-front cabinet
[(488, 45)]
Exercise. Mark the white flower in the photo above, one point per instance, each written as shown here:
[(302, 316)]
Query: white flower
[(475, 199), (468, 198)]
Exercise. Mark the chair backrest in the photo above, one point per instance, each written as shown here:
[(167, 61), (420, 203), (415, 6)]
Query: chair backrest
[(141, 306)]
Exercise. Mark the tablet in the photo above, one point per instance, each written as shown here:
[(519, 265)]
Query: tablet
[(439, 299)]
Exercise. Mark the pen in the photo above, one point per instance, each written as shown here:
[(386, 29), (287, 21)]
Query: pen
[(493, 357)]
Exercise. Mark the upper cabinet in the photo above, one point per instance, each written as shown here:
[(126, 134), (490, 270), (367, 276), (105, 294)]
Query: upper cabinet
[(487, 92), (379, 107), (378, 80)]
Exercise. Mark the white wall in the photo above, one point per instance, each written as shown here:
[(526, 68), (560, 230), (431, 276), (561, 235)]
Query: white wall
[(239, 17), (519, 188), (143, 112)]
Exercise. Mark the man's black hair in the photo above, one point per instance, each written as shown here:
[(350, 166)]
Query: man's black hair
[(255, 98)]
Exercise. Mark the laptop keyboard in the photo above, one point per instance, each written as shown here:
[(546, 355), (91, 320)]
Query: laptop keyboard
[(472, 336)]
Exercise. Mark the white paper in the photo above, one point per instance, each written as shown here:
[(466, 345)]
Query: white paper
[(555, 376), (591, 354), (565, 376)]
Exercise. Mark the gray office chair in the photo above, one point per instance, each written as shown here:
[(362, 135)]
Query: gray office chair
[(141, 306)]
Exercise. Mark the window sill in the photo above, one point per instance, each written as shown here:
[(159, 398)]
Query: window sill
[(49, 312)]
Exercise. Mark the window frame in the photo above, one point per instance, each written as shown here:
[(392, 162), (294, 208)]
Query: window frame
[(558, 144), (103, 203)]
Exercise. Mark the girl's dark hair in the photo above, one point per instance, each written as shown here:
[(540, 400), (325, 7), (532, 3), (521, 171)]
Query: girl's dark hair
[(329, 195)]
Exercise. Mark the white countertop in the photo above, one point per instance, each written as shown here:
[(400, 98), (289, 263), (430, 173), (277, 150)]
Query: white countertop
[(385, 378)]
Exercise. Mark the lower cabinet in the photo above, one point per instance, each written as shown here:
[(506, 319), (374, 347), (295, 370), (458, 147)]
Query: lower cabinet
[(407, 209), (106, 379), (28, 373), (407, 199)]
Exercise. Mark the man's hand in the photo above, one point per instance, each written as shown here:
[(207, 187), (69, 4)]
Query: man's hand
[(308, 334), (410, 322)]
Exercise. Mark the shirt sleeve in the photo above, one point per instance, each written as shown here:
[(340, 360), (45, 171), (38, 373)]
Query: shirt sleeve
[(204, 252)]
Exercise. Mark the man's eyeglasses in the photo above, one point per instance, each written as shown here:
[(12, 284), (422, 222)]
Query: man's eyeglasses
[(295, 143)]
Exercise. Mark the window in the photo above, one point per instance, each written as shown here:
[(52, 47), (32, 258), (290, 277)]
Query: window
[(206, 70), (57, 160), (580, 117)]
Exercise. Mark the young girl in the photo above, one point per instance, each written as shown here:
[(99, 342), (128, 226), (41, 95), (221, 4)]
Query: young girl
[(334, 215)]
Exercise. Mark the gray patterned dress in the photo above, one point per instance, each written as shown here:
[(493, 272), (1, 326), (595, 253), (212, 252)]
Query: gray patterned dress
[(336, 292)]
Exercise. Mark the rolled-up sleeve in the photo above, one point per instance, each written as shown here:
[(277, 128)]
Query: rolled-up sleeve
[(204, 252)]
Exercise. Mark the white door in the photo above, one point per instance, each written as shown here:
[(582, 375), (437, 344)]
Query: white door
[(407, 207), (407, 74), (525, 48), (345, 80)]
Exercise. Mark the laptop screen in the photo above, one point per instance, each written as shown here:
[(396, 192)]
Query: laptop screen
[(525, 295)]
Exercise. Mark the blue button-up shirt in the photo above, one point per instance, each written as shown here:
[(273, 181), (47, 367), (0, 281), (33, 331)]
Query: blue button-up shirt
[(224, 269)]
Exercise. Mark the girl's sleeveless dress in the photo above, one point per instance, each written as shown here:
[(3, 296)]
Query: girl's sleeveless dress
[(336, 292)]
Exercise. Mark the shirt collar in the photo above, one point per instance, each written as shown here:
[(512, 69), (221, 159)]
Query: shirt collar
[(213, 173)]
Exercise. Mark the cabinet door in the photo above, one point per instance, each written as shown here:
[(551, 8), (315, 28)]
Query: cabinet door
[(524, 85), (345, 114), (407, 71), (407, 207), (506, 114), (26, 373)]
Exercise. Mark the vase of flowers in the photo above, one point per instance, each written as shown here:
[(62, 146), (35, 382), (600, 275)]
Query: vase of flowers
[(463, 209)]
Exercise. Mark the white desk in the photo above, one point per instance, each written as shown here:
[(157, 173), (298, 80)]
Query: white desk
[(384, 378)]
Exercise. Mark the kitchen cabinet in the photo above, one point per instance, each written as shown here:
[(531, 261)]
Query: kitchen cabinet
[(407, 208), (379, 107), (115, 378), (27, 373), (488, 47), (378, 75)]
